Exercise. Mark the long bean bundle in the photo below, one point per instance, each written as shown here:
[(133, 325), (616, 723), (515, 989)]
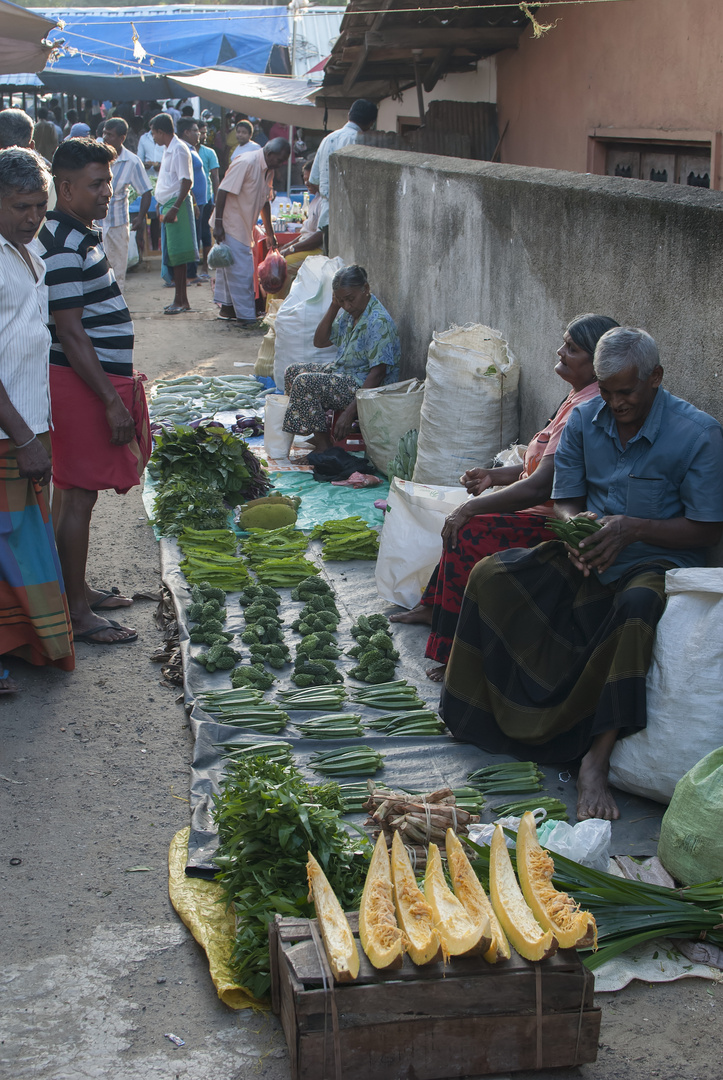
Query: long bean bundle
[(574, 529)]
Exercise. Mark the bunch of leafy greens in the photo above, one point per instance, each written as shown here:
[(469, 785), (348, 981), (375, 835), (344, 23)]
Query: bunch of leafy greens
[(209, 456), (268, 818), (181, 503)]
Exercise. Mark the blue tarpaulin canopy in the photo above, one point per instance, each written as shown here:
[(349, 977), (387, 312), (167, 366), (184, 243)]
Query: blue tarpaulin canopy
[(158, 40)]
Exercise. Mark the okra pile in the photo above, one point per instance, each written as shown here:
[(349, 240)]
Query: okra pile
[(512, 776)]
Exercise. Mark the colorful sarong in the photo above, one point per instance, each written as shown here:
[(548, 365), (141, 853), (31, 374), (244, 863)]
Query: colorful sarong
[(181, 246), (83, 455), (545, 659), (484, 535), (34, 618)]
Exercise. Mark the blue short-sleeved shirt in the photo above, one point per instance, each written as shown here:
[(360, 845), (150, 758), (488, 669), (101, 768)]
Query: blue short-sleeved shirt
[(673, 467), (373, 340)]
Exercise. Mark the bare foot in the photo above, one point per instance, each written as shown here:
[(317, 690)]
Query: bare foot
[(422, 613), (104, 632), (436, 674), (594, 799), (106, 600), (7, 685)]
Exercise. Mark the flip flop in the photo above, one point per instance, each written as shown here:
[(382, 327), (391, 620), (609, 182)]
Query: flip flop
[(226, 318), (88, 635), (175, 309), (106, 594), (5, 674)]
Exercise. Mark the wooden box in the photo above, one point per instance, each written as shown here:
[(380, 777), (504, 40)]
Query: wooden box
[(465, 1018)]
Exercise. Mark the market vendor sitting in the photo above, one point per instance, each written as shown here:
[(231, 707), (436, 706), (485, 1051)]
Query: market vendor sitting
[(553, 644), (308, 241), (367, 355)]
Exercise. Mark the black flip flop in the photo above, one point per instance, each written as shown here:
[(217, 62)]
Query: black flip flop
[(87, 635), (106, 595)]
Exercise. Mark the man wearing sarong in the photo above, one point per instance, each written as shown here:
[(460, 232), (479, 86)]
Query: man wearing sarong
[(34, 619), (243, 194), (175, 208), (101, 434), (553, 645)]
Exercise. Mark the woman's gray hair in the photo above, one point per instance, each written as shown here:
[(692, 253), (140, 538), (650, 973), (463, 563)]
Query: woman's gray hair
[(22, 170), (623, 348), (350, 277)]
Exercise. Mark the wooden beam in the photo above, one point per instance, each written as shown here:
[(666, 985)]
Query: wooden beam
[(356, 68), (437, 69), (384, 56), (443, 37)]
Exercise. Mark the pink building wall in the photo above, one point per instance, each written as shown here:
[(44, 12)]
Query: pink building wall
[(637, 69)]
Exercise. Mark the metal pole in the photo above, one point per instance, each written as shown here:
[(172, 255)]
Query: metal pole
[(417, 54), (291, 130)]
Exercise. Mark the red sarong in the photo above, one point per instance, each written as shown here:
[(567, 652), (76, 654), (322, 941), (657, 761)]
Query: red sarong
[(83, 455)]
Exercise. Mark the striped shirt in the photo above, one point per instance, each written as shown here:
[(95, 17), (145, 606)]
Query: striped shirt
[(127, 172), (78, 275), (24, 336)]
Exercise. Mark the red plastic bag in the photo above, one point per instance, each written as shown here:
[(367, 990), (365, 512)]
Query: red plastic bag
[(272, 272)]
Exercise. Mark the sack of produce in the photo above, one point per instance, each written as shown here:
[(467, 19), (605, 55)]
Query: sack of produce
[(272, 272), (264, 366), (685, 709), (277, 442), (470, 407), (411, 542), (301, 313), (386, 413), (691, 839)]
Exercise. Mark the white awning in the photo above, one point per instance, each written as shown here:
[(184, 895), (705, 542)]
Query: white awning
[(285, 100), (22, 39)]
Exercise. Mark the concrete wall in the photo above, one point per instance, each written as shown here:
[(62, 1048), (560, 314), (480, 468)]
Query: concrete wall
[(643, 69), (524, 250)]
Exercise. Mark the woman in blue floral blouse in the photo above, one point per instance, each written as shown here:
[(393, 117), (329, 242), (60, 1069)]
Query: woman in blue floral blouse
[(367, 355)]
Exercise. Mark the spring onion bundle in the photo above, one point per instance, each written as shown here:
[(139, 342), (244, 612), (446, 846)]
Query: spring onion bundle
[(509, 776), (356, 760), (346, 538), (391, 696)]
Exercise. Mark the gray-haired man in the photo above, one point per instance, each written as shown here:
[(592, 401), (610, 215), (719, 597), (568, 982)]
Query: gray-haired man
[(128, 171)]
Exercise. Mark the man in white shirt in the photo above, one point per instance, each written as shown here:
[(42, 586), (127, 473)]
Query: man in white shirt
[(308, 241), (127, 172), (175, 209), (244, 137), (34, 621), (362, 117)]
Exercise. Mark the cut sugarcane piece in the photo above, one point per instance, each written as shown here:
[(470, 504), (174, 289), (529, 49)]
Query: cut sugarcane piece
[(413, 912), (339, 944), (523, 931), (555, 911), (380, 936), (459, 933), (468, 890)]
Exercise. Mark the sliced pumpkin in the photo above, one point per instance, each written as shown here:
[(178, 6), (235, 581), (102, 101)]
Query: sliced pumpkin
[(459, 933), (339, 944), (381, 938), (413, 912), (468, 890), (555, 911), (524, 932)]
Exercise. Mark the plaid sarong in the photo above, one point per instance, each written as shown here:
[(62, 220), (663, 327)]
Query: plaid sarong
[(181, 243), (34, 619), (545, 659)]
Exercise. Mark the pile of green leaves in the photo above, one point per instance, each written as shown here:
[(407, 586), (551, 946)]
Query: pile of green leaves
[(211, 457), (268, 818), (182, 503), (346, 538)]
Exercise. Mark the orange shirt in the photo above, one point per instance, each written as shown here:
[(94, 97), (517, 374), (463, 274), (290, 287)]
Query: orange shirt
[(545, 442)]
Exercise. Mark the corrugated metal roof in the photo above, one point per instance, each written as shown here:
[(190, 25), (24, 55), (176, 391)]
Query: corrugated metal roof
[(316, 35)]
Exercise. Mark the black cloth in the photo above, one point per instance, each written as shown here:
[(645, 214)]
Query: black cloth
[(337, 464)]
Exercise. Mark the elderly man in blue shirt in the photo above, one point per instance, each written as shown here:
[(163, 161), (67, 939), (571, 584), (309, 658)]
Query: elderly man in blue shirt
[(553, 644), (362, 117)]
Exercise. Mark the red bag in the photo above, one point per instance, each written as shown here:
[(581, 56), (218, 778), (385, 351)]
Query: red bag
[(272, 272)]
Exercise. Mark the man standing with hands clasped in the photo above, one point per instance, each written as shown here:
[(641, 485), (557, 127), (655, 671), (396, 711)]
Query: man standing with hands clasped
[(127, 172), (175, 209)]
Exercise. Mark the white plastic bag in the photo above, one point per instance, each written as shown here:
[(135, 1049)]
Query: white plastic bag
[(411, 542), (133, 255), (386, 414), (685, 704), (301, 313), (277, 442), (467, 415), (587, 843)]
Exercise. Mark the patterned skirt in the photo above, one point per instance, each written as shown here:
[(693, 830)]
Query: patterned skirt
[(312, 390), (545, 659), (483, 535)]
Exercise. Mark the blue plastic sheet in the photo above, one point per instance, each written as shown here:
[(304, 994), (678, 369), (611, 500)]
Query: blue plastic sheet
[(323, 502)]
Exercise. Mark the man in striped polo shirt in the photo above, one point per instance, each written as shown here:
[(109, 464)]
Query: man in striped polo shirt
[(101, 435), (127, 172)]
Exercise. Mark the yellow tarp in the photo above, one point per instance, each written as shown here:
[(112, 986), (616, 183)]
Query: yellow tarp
[(197, 901)]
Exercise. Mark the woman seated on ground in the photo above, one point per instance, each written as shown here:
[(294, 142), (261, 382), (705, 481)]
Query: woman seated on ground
[(367, 355), (517, 515), (308, 241)]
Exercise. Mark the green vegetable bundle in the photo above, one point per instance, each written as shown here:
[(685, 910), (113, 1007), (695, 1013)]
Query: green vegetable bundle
[(332, 726), (210, 456), (265, 544), (555, 809), (284, 573), (311, 587), (574, 529), (508, 776), (253, 675), (318, 646), (182, 503), (210, 556), (374, 650), (402, 464), (316, 618), (274, 750), (392, 696), (220, 657), (347, 538), (262, 855), (315, 672), (252, 593), (357, 759), (413, 722), (317, 699)]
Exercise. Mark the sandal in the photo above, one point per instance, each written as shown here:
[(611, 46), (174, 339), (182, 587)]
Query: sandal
[(107, 594), (175, 309)]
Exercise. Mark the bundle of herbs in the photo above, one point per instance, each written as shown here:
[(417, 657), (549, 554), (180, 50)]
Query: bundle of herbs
[(210, 457), (182, 503), (268, 817)]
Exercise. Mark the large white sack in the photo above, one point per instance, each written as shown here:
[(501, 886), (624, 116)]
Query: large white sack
[(684, 689), (411, 542), (467, 415), (301, 313), (386, 414)]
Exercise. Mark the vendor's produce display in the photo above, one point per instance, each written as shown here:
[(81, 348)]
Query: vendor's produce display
[(248, 426), (357, 760), (263, 856), (208, 613), (574, 529), (274, 750), (414, 723), (396, 696), (374, 650), (182, 504), (402, 464), (253, 675), (523, 931), (508, 776), (380, 936), (271, 512), (554, 809), (284, 573), (210, 556), (419, 819), (264, 632), (264, 544), (339, 944), (414, 914), (332, 726), (313, 699), (193, 397), (210, 457), (348, 538), (470, 893), (459, 932)]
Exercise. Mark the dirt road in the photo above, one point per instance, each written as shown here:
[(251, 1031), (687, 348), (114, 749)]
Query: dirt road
[(96, 967)]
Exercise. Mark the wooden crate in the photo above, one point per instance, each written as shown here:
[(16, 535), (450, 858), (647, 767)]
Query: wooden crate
[(467, 1018)]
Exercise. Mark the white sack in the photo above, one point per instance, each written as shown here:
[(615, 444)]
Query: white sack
[(386, 414), (277, 442), (301, 313)]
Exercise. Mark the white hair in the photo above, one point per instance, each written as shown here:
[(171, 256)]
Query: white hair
[(625, 347), (22, 170)]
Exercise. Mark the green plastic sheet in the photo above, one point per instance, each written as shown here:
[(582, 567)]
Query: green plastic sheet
[(323, 502)]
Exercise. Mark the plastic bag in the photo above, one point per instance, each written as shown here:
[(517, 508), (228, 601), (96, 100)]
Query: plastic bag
[(386, 413), (691, 838), (301, 313), (277, 442), (219, 257), (411, 542), (685, 707), (272, 272), (133, 254), (470, 403), (588, 842)]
